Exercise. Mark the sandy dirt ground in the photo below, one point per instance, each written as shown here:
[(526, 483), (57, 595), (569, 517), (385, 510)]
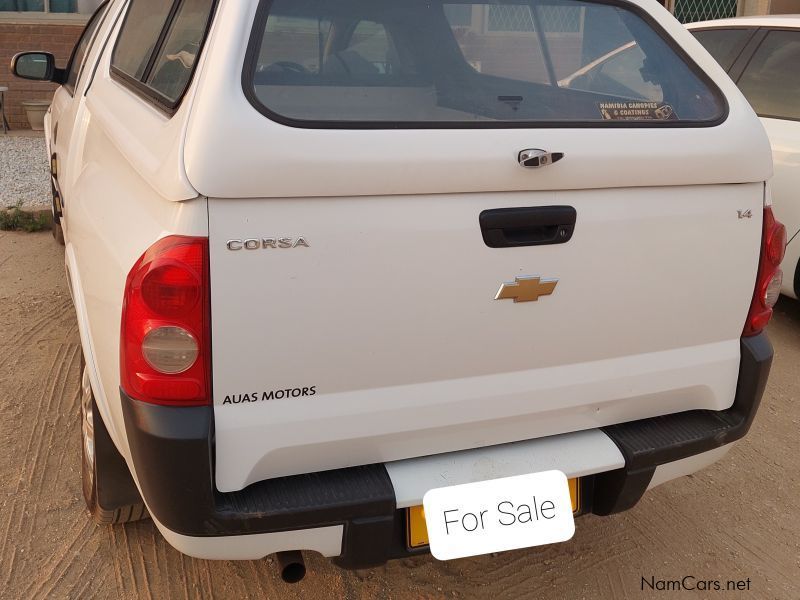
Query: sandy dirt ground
[(738, 520)]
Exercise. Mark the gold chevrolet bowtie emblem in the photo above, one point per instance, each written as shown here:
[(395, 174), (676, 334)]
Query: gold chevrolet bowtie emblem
[(526, 289)]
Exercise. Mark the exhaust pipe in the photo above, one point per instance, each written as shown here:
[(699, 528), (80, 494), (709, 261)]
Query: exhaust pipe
[(291, 565)]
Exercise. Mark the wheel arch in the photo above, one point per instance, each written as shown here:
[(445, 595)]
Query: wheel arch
[(115, 430)]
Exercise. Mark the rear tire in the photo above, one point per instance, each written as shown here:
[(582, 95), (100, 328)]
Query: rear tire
[(108, 488)]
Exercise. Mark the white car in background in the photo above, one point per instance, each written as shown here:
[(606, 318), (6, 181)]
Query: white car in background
[(762, 55)]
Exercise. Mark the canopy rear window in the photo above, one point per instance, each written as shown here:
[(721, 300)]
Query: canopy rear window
[(428, 63)]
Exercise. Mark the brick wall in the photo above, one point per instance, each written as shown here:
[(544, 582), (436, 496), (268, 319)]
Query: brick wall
[(58, 39)]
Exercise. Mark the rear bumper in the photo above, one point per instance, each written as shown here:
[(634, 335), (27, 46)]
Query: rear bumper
[(648, 443), (172, 452)]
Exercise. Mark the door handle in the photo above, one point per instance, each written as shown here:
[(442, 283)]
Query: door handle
[(527, 226)]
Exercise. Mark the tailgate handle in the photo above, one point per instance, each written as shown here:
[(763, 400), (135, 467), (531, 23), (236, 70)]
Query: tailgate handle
[(533, 158), (527, 226)]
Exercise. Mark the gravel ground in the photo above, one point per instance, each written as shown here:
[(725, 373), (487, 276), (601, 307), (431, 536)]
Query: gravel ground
[(23, 172)]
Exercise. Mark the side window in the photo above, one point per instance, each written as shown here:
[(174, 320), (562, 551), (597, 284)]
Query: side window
[(175, 61), (771, 81), (159, 44), (82, 47), (724, 45), (140, 32)]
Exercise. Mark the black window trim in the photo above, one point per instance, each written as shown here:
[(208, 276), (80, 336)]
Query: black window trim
[(251, 63), (96, 14), (141, 89)]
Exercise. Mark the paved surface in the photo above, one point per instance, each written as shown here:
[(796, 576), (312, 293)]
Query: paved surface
[(24, 172), (737, 520)]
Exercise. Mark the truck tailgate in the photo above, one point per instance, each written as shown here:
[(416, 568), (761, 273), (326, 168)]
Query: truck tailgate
[(379, 337)]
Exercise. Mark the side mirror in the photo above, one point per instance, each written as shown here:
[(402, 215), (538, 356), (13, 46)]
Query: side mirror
[(36, 66)]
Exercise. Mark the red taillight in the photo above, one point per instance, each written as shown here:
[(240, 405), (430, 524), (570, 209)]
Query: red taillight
[(768, 282), (165, 336), (171, 289)]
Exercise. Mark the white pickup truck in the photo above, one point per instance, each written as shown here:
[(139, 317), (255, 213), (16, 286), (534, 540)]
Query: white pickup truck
[(327, 256)]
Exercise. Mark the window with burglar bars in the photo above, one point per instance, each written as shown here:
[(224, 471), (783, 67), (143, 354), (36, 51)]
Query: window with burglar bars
[(689, 11), (568, 19), (555, 19)]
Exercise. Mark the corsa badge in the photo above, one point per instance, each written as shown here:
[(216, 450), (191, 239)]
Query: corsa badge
[(526, 289)]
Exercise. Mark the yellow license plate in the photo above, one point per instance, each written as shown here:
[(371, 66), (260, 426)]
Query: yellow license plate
[(417, 531)]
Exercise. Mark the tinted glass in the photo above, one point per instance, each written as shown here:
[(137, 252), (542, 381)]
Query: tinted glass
[(427, 61), (724, 45), (79, 53), (175, 63), (620, 72), (771, 81), (143, 25)]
